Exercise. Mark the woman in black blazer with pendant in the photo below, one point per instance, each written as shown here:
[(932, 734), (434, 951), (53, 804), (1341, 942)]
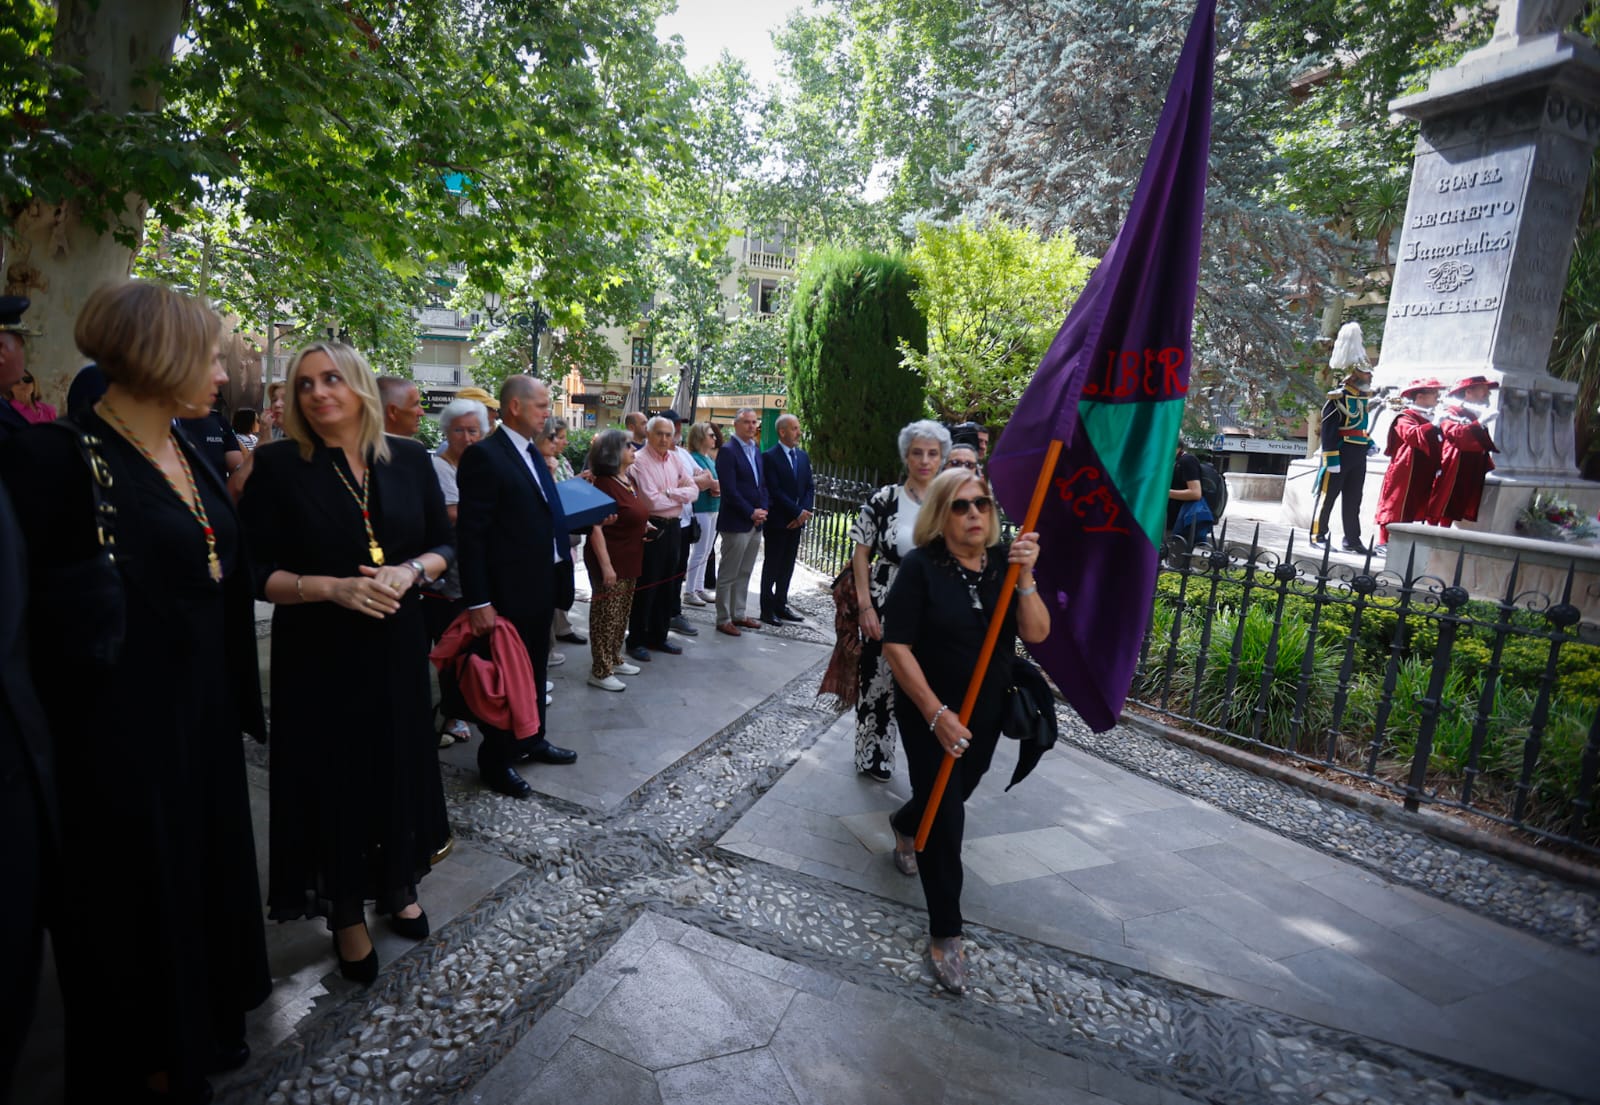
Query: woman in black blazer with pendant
[(344, 524), (145, 665)]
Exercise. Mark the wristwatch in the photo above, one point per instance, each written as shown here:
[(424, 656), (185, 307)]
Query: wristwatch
[(422, 573)]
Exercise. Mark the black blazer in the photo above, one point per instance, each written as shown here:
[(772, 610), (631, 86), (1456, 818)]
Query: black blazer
[(741, 495), (504, 535), (791, 487), (24, 736), (11, 421)]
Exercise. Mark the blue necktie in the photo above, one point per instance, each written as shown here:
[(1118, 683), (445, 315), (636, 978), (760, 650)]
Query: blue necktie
[(558, 516)]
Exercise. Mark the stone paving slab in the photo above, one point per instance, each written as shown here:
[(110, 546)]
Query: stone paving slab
[(676, 1015), (1093, 859), (674, 705)]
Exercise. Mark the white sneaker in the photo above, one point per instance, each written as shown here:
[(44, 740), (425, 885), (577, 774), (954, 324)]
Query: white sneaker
[(548, 686), (692, 598), (609, 683), (708, 597), (556, 659), (622, 667)]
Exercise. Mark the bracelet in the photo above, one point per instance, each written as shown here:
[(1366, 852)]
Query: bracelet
[(1034, 590), (933, 722)]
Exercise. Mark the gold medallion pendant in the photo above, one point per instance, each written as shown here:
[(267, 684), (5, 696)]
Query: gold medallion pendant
[(375, 551)]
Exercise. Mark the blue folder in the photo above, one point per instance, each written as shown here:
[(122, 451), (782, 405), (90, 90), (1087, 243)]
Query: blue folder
[(585, 504)]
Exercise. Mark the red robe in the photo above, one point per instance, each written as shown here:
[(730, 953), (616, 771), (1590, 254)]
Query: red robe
[(1463, 464), (1413, 451)]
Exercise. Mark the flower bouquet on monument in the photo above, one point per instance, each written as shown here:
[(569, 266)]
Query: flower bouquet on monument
[(1551, 518)]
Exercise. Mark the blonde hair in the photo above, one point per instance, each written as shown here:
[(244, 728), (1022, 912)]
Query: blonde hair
[(700, 434), (936, 501), (359, 376), (148, 338)]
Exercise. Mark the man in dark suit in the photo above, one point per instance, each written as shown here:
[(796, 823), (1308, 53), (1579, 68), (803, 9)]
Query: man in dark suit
[(739, 520), (793, 493), (515, 560), (27, 807), (13, 361)]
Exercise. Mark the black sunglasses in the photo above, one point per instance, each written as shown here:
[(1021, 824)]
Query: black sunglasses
[(969, 465), (27, 379), (982, 502)]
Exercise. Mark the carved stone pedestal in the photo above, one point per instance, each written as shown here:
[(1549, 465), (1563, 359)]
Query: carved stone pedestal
[(1497, 186)]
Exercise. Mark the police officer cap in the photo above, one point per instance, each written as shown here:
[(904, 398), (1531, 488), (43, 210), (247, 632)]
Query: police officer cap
[(11, 309)]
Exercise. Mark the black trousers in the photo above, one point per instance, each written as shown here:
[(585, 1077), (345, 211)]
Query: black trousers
[(1349, 482), (777, 567), (497, 751), (659, 577), (939, 863), (684, 547), (22, 873)]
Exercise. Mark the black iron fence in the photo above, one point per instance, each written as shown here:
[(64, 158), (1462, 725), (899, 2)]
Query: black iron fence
[(825, 542), (1400, 680)]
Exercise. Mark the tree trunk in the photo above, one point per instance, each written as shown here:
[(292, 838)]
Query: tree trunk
[(51, 255)]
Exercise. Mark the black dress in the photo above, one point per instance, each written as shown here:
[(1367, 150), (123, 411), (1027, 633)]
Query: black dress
[(159, 942), (357, 805)]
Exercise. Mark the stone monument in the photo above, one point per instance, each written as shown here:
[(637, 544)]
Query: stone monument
[(1502, 161)]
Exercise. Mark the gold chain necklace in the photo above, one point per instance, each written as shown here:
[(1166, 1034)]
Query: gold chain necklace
[(196, 505), (374, 550)]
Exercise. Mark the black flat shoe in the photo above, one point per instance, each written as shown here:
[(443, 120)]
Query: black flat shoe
[(878, 774), (508, 783), (669, 648), (573, 638), (789, 615), (772, 620), (543, 752), (364, 971), (412, 928)]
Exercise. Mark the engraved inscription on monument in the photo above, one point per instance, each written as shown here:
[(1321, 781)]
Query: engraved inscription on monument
[(1456, 248)]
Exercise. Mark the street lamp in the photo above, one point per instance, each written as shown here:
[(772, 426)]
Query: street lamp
[(491, 305)]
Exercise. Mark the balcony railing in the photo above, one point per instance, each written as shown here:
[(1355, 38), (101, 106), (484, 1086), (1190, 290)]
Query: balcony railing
[(760, 259)]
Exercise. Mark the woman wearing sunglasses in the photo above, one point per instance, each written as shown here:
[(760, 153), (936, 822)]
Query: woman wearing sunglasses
[(25, 400), (935, 619)]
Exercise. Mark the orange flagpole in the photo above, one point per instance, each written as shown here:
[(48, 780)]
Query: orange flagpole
[(967, 704)]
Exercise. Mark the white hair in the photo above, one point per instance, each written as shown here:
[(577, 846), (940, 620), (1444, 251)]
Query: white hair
[(458, 407), (925, 430), (650, 426)]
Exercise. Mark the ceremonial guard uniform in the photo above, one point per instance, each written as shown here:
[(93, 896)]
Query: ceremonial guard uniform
[(1413, 450), (1346, 440), (1464, 459)]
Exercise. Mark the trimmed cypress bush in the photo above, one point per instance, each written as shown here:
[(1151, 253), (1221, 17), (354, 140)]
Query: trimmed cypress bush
[(851, 310)]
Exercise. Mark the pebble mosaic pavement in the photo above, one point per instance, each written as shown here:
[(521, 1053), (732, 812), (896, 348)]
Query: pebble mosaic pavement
[(441, 1017)]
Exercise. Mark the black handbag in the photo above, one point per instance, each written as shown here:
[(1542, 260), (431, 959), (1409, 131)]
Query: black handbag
[(695, 530), (86, 603), (1030, 717)]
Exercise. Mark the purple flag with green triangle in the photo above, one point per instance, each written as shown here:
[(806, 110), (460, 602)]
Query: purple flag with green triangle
[(1111, 389)]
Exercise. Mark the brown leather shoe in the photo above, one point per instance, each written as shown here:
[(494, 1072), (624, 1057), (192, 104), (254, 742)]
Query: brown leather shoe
[(748, 623), (730, 629)]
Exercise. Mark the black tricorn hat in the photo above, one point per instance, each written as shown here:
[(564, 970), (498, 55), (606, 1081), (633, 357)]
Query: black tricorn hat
[(11, 309)]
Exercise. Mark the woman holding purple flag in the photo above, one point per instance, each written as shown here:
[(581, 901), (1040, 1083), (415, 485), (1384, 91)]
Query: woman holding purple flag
[(935, 619)]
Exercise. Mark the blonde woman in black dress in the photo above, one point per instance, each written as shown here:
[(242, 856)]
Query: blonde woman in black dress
[(344, 524)]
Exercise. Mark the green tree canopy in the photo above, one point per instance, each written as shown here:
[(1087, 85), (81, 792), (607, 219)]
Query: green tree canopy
[(994, 297)]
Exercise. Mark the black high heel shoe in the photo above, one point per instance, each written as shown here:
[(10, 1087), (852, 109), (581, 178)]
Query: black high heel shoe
[(412, 928), (364, 971)]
